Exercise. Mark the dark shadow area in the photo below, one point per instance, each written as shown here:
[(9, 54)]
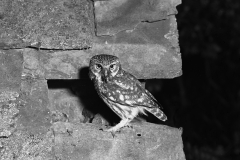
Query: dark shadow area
[(85, 91), (92, 103), (205, 100)]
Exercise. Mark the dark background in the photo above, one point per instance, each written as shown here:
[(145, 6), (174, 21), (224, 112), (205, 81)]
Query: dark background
[(205, 100)]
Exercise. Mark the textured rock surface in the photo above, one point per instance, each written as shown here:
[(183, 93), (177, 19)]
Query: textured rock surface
[(143, 142), (114, 16), (143, 61), (35, 115), (65, 107), (143, 34), (23, 130), (10, 70), (54, 24), (41, 118), (24, 146), (84, 141), (147, 50)]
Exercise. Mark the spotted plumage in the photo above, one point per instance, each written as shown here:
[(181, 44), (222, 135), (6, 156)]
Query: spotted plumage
[(121, 91)]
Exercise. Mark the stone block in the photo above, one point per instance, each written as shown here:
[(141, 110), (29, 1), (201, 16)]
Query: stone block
[(34, 114), (64, 64), (147, 50), (143, 61), (54, 24), (65, 106), (8, 113), (150, 50), (48, 39), (67, 141), (142, 33), (32, 66), (142, 142), (10, 70), (77, 101), (113, 16), (24, 146)]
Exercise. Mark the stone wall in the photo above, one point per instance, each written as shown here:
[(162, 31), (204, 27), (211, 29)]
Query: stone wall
[(48, 107)]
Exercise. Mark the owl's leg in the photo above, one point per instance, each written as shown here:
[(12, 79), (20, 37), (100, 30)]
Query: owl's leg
[(129, 116), (122, 123)]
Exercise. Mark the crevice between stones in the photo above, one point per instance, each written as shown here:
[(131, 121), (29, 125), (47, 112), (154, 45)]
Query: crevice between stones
[(129, 30)]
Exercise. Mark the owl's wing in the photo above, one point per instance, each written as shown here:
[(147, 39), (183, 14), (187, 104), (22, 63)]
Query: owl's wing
[(149, 95), (140, 96)]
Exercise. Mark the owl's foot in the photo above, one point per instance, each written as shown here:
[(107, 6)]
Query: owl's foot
[(121, 124), (113, 129), (129, 126)]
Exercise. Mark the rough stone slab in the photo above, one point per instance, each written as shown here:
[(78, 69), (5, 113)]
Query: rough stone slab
[(64, 106), (10, 70), (145, 33), (34, 114), (51, 24), (147, 50), (150, 50), (143, 61), (24, 146), (64, 64), (114, 16), (54, 64), (32, 66), (10, 80), (143, 142), (24, 123), (8, 112), (67, 141)]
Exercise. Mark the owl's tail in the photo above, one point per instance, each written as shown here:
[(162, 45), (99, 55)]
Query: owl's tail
[(157, 112)]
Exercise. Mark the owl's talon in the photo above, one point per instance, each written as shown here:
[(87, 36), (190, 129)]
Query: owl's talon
[(111, 130), (113, 134), (108, 130), (129, 126)]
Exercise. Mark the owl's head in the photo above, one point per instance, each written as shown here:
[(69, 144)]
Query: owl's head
[(103, 66)]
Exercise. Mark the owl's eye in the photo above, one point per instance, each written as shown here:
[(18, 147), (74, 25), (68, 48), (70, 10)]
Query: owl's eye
[(98, 67), (112, 67)]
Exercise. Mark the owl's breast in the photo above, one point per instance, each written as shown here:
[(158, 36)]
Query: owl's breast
[(102, 88)]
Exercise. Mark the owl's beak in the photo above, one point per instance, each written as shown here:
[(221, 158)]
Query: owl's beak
[(105, 75)]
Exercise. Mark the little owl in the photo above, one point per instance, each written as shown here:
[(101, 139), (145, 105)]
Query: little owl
[(121, 91)]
